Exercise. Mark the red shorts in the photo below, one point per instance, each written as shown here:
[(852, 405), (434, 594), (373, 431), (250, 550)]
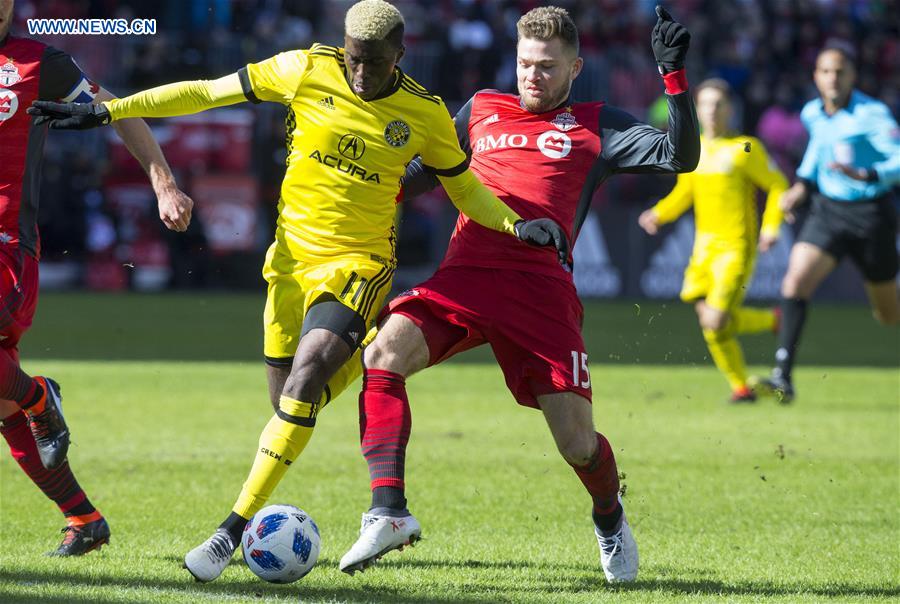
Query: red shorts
[(532, 322), (18, 297)]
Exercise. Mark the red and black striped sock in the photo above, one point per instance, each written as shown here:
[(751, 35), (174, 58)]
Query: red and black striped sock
[(16, 385), (59, 484), (601, 479), (384, 425)]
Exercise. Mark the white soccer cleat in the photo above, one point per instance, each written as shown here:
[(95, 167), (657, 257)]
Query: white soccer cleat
[(618, 554), (377, 536), (207, 561)]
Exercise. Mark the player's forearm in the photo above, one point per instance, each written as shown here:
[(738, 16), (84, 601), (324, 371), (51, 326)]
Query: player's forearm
[(773, 214), (478, 203), (140, 143), (180, 98)]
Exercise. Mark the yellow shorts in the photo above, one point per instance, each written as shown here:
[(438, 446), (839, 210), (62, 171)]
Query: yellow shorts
[(357, 281), (718, 273)]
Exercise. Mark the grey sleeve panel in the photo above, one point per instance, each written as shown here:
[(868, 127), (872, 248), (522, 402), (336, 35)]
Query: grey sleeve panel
[(634, 147), (419, 178)]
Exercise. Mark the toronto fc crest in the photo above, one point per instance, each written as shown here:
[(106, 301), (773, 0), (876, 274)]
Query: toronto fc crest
[(9, 74)]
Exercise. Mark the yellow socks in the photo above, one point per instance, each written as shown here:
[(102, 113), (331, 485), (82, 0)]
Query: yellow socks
[(727, 354), (752, 320), (282, 440)]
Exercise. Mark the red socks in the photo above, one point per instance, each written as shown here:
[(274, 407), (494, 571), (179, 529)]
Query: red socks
[(384, 423), (16, 385), (59, 485), (601, 478)]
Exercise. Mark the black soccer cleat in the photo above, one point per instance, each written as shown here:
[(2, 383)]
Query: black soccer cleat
[(84, 538), (778, 387), (49, 427)]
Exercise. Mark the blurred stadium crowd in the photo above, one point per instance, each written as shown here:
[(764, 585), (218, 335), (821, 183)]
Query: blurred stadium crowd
[(97, 217)]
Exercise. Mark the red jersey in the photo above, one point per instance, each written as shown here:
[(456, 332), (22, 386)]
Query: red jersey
[(29, 70), (548, 165)]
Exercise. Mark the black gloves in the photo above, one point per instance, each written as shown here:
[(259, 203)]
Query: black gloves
[(544, 232), (670, 41), (69, 116)]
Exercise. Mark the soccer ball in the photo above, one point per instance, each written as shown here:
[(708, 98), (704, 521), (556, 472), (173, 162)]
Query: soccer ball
[(281, 543)]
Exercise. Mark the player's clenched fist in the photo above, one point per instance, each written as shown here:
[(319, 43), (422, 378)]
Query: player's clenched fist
[(670, 41), (69, 116)]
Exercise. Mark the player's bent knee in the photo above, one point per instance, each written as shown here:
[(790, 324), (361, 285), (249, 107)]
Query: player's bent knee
[(578, 448), (383, 354)]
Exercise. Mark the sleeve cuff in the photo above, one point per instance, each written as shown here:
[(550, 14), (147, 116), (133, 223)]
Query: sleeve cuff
[(676, 82)]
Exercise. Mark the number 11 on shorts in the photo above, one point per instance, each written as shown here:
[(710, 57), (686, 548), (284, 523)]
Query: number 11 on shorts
[(580, 366)]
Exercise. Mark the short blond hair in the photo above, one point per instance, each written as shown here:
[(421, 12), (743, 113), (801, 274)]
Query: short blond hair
[(372, 20), (548, 22)]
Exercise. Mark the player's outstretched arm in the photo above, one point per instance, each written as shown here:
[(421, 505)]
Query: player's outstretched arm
[(635, 147), (181, 98), (174, 206), (478, 203)]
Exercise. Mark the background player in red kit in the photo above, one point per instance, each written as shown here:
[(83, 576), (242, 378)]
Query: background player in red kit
[(32, 421), (544, 155)]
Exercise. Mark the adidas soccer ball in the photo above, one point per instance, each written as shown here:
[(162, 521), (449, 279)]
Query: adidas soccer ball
[(281, 543)]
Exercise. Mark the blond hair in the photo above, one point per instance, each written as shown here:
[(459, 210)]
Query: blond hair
[(548, 22), (372, 20)]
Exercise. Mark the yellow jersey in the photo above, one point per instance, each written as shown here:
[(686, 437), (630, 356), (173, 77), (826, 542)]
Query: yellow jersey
[(346, 156), (723, 190)]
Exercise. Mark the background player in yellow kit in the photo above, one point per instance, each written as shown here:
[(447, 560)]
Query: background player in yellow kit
[(722, 191), (354, 121)]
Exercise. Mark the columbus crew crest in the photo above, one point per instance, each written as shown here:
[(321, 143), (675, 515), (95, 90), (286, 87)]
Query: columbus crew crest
[(397, 133)]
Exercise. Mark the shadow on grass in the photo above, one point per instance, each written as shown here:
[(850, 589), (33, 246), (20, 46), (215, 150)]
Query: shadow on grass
[(250, 588), (478, 587)]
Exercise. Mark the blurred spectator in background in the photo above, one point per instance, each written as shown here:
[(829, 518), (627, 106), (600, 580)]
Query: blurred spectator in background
[(765, 49)]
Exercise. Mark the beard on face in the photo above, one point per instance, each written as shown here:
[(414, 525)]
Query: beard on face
[(547, 101)]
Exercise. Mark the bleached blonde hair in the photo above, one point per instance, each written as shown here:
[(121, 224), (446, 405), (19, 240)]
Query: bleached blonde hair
[(372, 20)]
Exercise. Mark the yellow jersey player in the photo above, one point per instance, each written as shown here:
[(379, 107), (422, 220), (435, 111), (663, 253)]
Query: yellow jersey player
[(722, 191), (355, 121)]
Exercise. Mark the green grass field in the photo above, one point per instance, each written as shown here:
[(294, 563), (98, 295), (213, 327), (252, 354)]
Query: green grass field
[(166, 396)]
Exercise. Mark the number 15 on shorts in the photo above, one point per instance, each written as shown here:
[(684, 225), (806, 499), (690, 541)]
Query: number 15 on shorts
[(581, 377)]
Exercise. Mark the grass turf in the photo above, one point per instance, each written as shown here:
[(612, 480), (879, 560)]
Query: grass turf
[(748, 504)]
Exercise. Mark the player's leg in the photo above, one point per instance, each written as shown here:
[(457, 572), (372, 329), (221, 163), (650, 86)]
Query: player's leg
[(725, 350), (86, 529), (277, 374), (883, 297), (876, 256), (570, 418), (808, 266), (313, 315), (398, 351), (749, 320), (38, 397), (421, 327)]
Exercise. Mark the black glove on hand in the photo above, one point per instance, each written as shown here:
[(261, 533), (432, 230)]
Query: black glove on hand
[(69, 116), (670, 41), (544, 232)]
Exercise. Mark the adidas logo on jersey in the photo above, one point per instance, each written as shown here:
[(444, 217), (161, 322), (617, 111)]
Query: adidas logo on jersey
[(327, 102), (492, 119)]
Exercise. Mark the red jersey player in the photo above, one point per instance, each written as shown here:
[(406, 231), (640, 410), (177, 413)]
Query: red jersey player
[(30, 411), (544, 155)]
